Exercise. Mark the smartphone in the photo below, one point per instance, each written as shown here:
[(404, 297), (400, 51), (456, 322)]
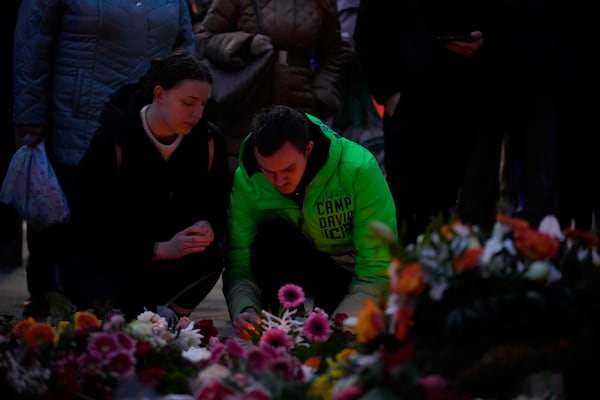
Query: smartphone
[(466, 37)]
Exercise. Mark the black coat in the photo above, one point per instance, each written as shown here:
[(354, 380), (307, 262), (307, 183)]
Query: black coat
[(121, 210)]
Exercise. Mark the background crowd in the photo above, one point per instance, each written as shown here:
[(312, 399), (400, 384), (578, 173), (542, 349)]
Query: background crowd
[(484, 104)]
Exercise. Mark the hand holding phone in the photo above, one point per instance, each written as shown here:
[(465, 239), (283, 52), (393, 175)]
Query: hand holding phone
[(464, 37)]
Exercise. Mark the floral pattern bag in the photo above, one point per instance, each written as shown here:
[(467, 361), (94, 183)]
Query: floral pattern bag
[(31, 186)]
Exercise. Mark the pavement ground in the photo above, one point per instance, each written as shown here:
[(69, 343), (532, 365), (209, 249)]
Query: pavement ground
[(13, 291)]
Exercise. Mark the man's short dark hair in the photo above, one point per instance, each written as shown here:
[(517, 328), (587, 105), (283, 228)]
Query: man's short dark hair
[(276, 125)]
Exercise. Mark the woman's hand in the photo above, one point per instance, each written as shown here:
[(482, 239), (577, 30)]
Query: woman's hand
[(31, 134), (193, 239)]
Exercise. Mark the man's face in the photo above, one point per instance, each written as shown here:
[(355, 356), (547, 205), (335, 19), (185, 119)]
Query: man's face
[(284, 169)]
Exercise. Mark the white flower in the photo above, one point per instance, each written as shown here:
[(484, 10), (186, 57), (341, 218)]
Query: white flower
[(551, 226), (140, 330), (213, 372), (188, 337), (196, 354), (538, 271), (158, 323)]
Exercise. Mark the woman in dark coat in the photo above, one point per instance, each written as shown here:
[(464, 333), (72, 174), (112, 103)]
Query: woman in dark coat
[(152, 194)]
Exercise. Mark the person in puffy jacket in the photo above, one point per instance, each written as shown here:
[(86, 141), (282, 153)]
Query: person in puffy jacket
[(305, 36), (300, 208), (70, 55)]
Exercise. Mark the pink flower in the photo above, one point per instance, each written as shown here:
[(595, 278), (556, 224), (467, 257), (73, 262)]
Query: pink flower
[(126, 342), (291, 296), (317, 328), (276, 338), (89, 364), (287, 367), (236, 350), (257, 394), (113, 321), (348, 393), (104, 346), (215, 390), (436, 388), (339, 319), (122, 364), (258, 359)]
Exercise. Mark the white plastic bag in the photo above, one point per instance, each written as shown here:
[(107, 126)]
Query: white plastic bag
[(31, 186)]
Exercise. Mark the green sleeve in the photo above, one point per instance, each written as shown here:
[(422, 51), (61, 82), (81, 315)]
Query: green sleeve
[(239, 287)]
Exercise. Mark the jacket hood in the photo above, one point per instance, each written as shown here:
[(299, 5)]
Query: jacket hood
[(121, 107), (324, 137)]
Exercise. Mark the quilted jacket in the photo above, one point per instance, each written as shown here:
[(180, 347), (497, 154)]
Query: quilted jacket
[(306, 37), (70, 55)]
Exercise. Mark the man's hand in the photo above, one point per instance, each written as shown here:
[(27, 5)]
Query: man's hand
[(246, 322), (466, 49)]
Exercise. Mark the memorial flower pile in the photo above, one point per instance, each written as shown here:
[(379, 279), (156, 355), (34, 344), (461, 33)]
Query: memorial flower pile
[(486, 310), (89, 358), (469, 314)]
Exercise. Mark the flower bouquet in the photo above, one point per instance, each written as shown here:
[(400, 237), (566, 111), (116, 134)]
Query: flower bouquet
[(86, 358), (469, 315), (485, 311)]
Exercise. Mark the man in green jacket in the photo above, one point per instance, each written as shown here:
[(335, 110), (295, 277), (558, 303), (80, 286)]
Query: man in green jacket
[(300, 207)]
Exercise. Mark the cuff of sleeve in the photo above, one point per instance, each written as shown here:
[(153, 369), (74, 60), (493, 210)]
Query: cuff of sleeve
[(247, 306)]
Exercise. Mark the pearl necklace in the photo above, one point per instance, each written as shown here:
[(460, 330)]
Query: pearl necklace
[(165, 150)]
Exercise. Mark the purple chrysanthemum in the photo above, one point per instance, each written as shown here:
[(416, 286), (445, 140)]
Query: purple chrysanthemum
[(104, 346), (291, 296), (122, 364), (276, 338), (126, 342), (287, 367), (218, 353), (236, 350), (317, 328), (89, 364), (258, 358)]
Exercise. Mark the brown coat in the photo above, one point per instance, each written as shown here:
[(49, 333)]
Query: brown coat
[(306, 37)]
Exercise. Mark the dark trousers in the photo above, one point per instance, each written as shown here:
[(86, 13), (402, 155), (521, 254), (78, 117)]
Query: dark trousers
[(110, 281), (528, 123), (426, 144), (49, 248), (282, 255)]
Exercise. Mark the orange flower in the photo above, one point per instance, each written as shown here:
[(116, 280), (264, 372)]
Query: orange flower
[(62, 325), (446, 231), (86, 320), (404, 322), (408, 280), (515, 223), (22, 327), (589, 239), (345, 354), (313, 362), (536, 245), (39, 334), (370, 322), (467, 260)]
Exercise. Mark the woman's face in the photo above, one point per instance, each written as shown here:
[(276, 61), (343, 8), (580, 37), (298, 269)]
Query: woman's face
[(182, 106)]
